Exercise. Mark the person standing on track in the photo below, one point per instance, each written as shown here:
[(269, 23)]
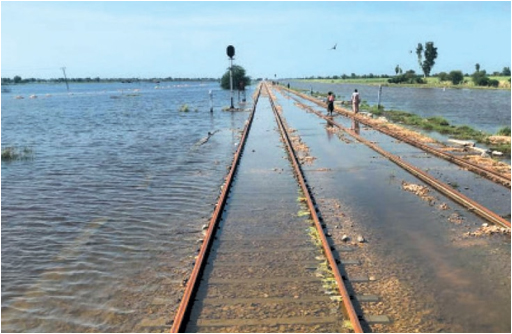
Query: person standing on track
[(356, 100)]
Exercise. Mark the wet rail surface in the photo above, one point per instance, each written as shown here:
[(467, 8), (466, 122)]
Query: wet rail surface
[(266, 270)]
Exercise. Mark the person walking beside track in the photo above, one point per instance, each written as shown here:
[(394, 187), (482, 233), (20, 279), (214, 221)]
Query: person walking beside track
[(356, 100), (330, 103)]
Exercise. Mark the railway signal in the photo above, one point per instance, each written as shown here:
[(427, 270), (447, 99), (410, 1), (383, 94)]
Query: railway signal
[(231, 53)]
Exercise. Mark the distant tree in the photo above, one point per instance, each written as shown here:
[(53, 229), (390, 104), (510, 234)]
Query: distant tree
[(239, 78), (398, 70), (429, 52), (17, 79), (409, 77), (477, 67), (480, 78), (456, 77), (419, 53), (506, 71), (493, 83), (443, 76)]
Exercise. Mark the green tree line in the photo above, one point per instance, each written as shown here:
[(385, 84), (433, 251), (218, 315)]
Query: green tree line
[(18, 80)]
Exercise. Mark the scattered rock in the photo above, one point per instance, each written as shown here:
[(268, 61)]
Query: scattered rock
[(443, 206), (456, 218), (487, 229), (420, 191), (345, 238), (360, 239)]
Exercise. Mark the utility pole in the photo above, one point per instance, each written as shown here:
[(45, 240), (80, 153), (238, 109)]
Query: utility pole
[(231, 52), (379, 96), (65, 78), (210, 93)]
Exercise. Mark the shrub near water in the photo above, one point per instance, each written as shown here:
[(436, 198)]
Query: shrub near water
[(505, 131)]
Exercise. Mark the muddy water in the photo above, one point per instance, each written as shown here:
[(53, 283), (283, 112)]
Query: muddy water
[(430, 275), (99, 226)]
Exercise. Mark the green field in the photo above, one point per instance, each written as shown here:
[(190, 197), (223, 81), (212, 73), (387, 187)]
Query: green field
[(432, 82)]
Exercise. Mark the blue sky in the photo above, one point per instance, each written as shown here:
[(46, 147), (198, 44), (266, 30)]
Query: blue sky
[(287, 39)]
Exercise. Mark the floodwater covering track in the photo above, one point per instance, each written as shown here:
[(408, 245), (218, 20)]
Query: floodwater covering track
[(191, 287), (266, 269), (429, 274), (475, 168), (445, 189)]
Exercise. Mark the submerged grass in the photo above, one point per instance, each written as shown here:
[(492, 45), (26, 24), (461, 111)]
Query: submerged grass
[(12, 153), (440, 125)]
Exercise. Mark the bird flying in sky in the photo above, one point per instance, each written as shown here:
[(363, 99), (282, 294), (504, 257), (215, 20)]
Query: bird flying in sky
[(334, 47)]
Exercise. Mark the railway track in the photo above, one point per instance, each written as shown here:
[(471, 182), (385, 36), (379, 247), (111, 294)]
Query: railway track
[(475, 168), (265, 265), (442, 187)]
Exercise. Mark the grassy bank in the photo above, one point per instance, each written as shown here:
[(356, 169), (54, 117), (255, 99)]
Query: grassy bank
[(440, 125), (432, 82)]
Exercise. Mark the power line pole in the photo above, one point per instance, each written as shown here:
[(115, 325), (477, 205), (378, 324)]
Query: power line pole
[(65, 78)]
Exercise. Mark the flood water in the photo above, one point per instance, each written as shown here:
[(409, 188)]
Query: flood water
[(429, 274), (102, 220), (100, 225), (482, 109)]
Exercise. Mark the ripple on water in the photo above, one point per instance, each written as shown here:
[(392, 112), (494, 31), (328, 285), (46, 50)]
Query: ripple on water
[(99, 229)]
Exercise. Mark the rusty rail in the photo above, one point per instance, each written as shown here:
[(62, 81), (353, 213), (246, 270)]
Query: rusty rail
[(440, 186), (193, 282), (487, 173), (348, 307)]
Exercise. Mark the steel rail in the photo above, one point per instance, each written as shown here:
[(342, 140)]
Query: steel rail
[(438, 185), (191, 288), (475, 168), (348, 307)]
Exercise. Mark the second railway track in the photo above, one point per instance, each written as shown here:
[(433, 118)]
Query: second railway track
[(442, 187), (473, 167)]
